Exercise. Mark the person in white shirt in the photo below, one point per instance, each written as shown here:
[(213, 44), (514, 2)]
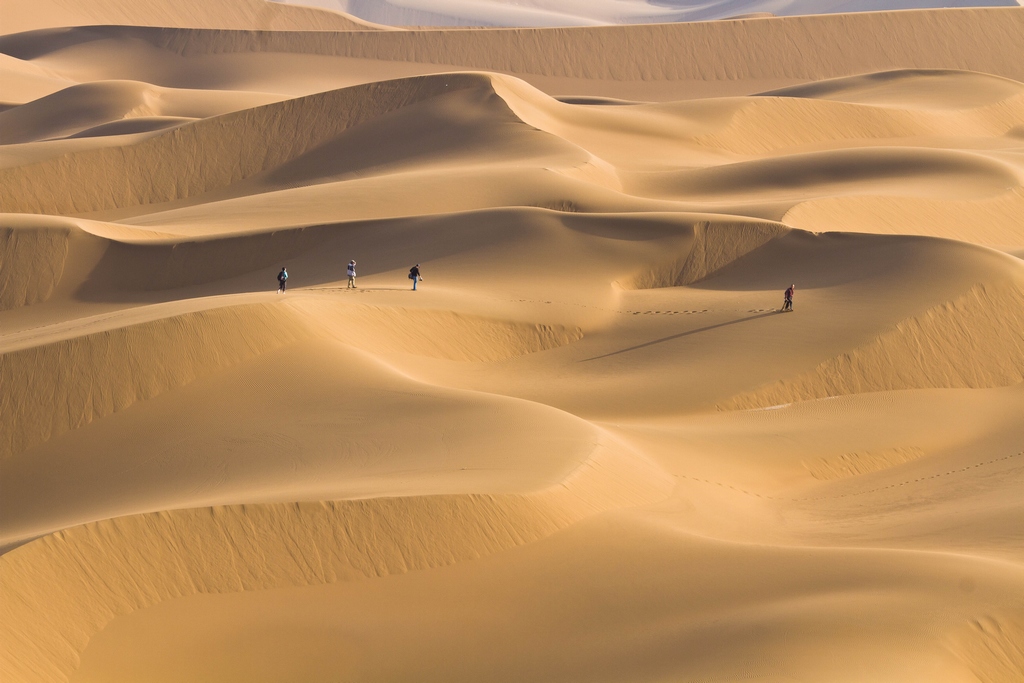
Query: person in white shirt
[(351, 275)]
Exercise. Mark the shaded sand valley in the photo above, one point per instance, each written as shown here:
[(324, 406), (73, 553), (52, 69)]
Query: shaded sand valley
[(589, 447)]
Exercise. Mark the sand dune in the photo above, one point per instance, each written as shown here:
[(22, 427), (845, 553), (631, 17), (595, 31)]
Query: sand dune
[(220, 151), (973, 341), (339, 166), (22, 15), (982, 40), (107, 103), (589, 447), (993, 221), (577, 13), (438, 530)]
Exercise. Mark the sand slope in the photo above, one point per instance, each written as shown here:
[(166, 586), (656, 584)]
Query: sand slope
[(20, 15), (576, 13), (589, 436)]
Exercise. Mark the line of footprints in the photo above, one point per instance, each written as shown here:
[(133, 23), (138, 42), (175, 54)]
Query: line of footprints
[(665, 312)]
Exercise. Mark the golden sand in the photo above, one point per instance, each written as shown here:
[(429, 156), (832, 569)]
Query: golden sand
[(589, 447)]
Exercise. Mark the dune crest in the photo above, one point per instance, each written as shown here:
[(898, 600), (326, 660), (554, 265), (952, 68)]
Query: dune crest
[(589, 445), (216, 152), (974, 341), (993, 222), (715, 245), (21, 15), (562, 13), (256, 547), (854, 464), (981, 39), (443, 334), (114, 102), (766, 125), (153, 357)]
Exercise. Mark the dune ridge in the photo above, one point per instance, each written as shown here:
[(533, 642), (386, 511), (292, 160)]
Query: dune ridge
[(555, 13), (993, 222), (590, 435), (975, 341), (146, 559), (447, 335), (715, 245), (821, 120), (20, 15), (128, 179), (110, 102), (218, 151), (978, 39), (856, 464), (42, 399)]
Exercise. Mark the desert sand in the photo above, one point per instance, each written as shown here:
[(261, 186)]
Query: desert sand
[(519, 13), (589, 447)]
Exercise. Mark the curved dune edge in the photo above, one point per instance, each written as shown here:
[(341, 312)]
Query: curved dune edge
[(974, 341), (214, 153), (117, 107), (440, 334), (27, 15), (37, 253), (993, 222), (210, 153), (138, 124), (58, 387), (861, 462), (890, 87), (65, 587), (973, 39), (955, 173), (715, 245), (765, 125), (236, 396), (31, 264)]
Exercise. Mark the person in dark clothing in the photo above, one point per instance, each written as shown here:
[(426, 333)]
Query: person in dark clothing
[(282, 280), (414, 275), (787, 304)]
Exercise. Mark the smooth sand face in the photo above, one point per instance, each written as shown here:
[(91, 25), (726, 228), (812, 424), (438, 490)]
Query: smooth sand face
[(599, 12), (589, 447)]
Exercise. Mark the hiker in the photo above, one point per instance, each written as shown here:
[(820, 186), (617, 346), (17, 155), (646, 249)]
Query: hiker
[(414, 275), (282, 279), (351, 275), (787, 305)]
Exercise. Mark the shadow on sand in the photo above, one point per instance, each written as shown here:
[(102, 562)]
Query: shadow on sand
[(682, 334), (361, 289)]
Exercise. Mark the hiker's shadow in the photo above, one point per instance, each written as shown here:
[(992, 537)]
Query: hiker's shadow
[(682, 334)]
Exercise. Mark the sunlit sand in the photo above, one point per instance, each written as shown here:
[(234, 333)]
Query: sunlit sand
[(589, 447)]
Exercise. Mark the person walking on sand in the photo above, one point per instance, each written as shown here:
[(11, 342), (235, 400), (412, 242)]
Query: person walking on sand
[(352, 275), (282, 280), (414, 275), (787, 304)]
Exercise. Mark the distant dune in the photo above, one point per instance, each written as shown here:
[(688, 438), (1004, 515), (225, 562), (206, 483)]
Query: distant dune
[(602, 12), (590, 445), (26, 15)]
